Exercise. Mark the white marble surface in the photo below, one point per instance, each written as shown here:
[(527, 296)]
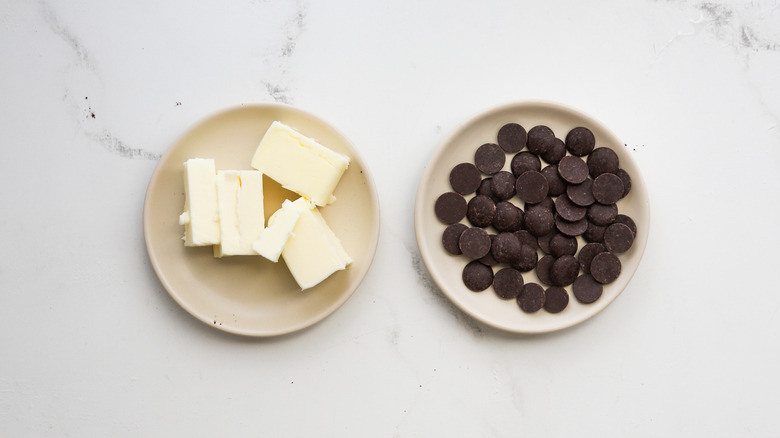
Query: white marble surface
[(94, 91)]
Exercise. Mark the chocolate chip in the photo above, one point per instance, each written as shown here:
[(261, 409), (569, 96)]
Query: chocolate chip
[(489, 158), (607, 188), (540, 139), (569, 210), (451, 236), (477, 277), (618, 238), (587, 252), (512, 137), (572, 229), (508, 217), (465, 178), (503, 185), (556, 152), (505, 247), (594, 233), (527, 238), (523, 162), (555, 299), (488, 258), (605, 267), (602, 160), (586, 289), (543, 267), (474, 243), (539, 221), (485, 189), (481, 211), (547, 203), (531, 298), (508, 283), (626, 220), (450, 208), (581, 194), (532, 187), (544, 241), (564, 270), (602, 214), (626, 178), (556, 184), (573, 169), (580, 141), (526, 261), (561, 245)]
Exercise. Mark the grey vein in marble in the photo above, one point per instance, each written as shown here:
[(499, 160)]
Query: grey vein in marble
[(279, 90), (117, 146), (53, 21)]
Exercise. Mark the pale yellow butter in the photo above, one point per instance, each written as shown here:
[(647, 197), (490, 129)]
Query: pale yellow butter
[(280, 228), (241, 216), (299, 163), (200, 217)]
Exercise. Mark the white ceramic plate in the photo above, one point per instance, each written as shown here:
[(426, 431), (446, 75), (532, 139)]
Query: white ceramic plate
[(250, 295), (446, 269)]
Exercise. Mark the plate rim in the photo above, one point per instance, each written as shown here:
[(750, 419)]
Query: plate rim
[(163, 279), (440, 151)]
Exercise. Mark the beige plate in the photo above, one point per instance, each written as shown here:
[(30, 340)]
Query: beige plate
[(446, 269), (249, 295)]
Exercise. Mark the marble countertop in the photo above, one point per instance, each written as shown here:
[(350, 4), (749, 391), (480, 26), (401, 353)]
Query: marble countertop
[(93, 92)]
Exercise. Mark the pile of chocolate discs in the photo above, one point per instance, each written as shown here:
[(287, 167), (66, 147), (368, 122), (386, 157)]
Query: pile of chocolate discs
[(574, 195)]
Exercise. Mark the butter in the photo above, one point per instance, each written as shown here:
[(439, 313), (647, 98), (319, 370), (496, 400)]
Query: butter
[(299, 163), (241, 216), (313, 252), (280, 228), (200, 217)]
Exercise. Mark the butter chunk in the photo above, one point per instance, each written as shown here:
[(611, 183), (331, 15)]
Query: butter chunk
[(313, 252), (241, 216), (299, 163), (200, 217), (280, 228)]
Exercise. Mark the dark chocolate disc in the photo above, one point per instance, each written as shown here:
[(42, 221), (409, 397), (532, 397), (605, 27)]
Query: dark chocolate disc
[(543, 267), (508, 283), (581, 194), (540, 139), (607, 188), (561, 245), (602, 214), (523, 162), (555, 153), (489, 158), (539, 221), (580, 141), (626, 178), (586, 254), (564, 270), (503, 185), (602, 160), (556, 184), (547, 203), (531, 298), (586, 289), (527, 259), (569, 210), (474, 243), (605, 267), (527, 238), (508, 217), (532, 187), (488, 258), (505, 247), (512, 137), (450, 208), (481, 211), (465, 178), (555, 299), (485, 189), (572, 229), (573, 169), (618, 238), (594, 233), (544, 241), (477, 277), (450, 238), (623, 219)]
